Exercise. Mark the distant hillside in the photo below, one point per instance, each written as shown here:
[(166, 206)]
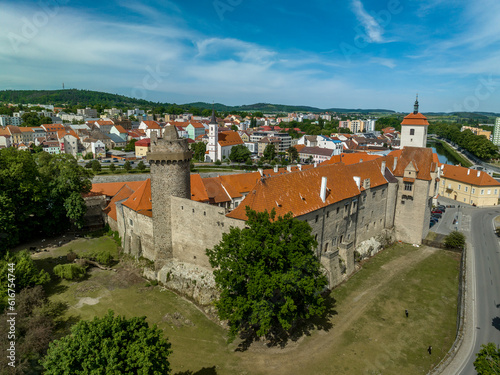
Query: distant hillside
[(71, 97)]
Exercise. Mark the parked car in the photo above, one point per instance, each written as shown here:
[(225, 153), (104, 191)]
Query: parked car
[(442, 208), (436, 211), (432, 223), (436, 218)]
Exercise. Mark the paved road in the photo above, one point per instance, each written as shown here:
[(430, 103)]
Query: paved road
[(483, 281)]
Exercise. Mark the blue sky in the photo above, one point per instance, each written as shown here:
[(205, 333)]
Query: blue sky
[(349, 54)]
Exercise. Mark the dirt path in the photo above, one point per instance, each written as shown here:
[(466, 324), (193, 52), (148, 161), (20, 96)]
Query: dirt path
[(294, 359)]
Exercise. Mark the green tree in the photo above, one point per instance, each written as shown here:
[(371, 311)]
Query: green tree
[(141, 166), (455, 240), (217, 162), (110, 345), (30, 119), (268, 275), (488, 360), (35, 326), (130, 145), (127, 166), (45, 120), (112, 167), (293, 154), (96, 166), (239, 153), (36, 194), (269, 152), (25, 272), (199, 149)]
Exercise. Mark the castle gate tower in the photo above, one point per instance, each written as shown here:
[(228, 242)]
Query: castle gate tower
[(169, 159), (414, 129)]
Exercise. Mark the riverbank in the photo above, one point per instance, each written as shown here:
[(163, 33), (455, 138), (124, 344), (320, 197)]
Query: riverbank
[(460, 158)]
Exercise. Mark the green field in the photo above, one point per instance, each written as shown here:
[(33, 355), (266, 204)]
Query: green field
[(369, 333)]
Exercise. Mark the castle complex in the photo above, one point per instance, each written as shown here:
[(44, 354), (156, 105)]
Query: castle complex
[(354, 206)]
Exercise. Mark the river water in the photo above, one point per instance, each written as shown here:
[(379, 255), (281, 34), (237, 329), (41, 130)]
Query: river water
[(443, 155)]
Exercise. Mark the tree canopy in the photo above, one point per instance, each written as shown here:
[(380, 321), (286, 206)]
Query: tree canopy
[(239, 153), (110, 345), (488, 360), (26, 274), (293, 154), (268, 276), (478, 145), (269, 152), (39, 194), (198, 149)]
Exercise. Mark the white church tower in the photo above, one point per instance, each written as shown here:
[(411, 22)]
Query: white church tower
[(213, 139), (414, 129)]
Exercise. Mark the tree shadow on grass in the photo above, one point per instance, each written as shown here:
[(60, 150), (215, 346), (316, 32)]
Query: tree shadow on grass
[(496, 323), (203, 371), (280, 338)]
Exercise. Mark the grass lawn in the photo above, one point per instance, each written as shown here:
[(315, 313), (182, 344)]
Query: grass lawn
[(370, 333)]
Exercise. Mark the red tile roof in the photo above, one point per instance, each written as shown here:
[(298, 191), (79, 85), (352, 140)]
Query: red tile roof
[(422, 159), (124, 193), (140, 200), (120, 129), (351, 158), (215, 191), (145, 142), (110, 189), (299, 192), (198, 191), (152, 124), (415, 119), (229, 138), (468, 176)]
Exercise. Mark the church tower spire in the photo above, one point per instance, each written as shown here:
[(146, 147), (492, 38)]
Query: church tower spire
[(415, 107)]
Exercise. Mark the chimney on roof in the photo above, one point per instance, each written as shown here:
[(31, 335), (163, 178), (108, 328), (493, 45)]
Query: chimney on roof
[(478, 173), (357, 180), (289, 168), (322, 192), (261, 171), (468, 172), (360, 160), (395, 163), (275, 169), (382, 167), (299, 166), (315, 165)]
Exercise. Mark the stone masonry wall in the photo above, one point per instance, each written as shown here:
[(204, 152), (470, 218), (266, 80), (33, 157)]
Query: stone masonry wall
[(195, 227), (412, 215)]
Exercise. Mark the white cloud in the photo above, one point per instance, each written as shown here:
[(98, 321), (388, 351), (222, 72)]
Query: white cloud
[(373, 30)]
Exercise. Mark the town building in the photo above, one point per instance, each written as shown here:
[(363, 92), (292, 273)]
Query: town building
[(414, 129), (468, 186), (477, 131), (496, 132)]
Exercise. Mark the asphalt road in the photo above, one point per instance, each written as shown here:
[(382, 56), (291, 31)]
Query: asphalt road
[(478, 224)]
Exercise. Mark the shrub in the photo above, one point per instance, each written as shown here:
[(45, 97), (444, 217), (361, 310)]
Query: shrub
[(455, 240), (218, 162), (69, 271)]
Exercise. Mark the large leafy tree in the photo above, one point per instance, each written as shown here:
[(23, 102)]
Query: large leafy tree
[(455, 240), (269, 152), (239, 153), (39, 193), (293, 154), (198, 149), (488, 360), (268, 276), (110, 345)]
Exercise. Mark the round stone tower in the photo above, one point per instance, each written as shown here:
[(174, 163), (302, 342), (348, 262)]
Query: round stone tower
[(169, 159)]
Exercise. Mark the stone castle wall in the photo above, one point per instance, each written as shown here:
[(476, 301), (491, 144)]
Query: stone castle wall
[(195, 227), (412, 212)]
